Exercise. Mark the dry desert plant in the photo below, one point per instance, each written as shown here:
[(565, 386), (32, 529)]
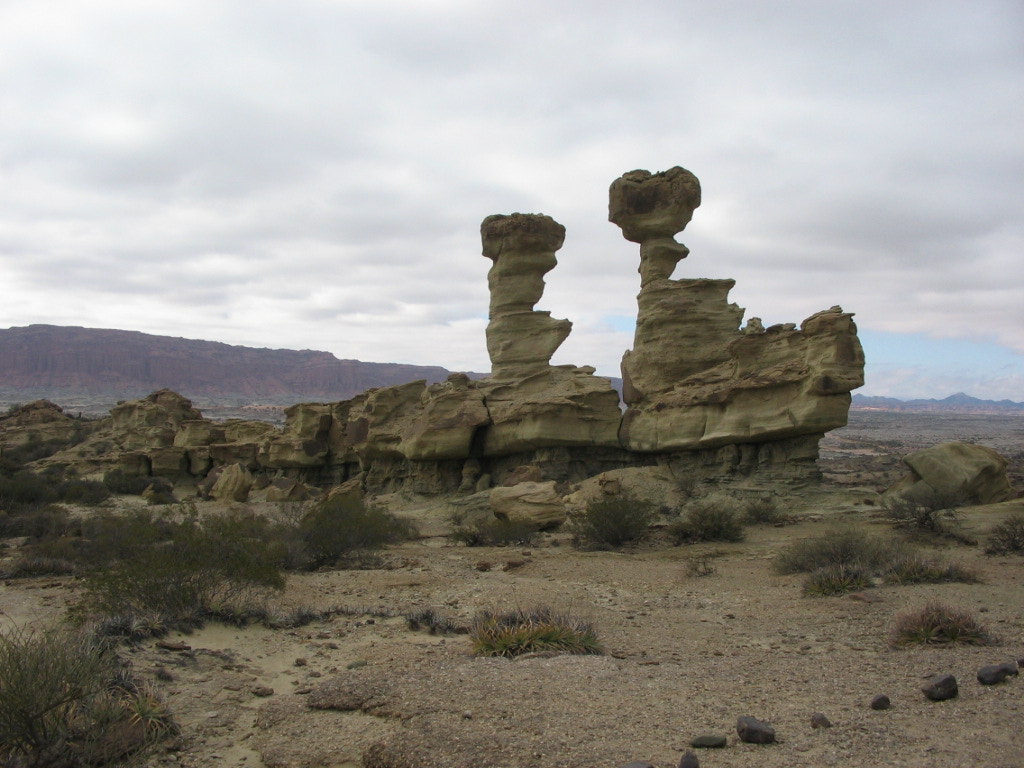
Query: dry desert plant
[(1006, 537), (610, 522), (939, 624), (713, 518), (541, 629), (494, 533)]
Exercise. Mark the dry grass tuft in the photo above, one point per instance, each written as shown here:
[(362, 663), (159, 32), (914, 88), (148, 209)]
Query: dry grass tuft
[(939, 624), (514, 633)]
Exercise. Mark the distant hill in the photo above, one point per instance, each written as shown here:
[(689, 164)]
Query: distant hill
[(59, 361), (958, 403)]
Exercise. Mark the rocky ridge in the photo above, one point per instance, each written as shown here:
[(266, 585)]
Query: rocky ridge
[(706, 399)]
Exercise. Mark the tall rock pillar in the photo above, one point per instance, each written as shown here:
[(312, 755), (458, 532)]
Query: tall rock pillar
[(520, 339)]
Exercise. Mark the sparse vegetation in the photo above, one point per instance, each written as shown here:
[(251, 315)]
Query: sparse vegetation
[(118, 481), (1007, 537), (939, 624), (494, 533), (432, 621), (611, 522), (713, 518), (67, 701), (540, 630), (934, 513), (846, 560), (763, 510), (341, 529)]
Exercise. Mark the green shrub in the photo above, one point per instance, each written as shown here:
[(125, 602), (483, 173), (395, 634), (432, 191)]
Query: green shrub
[(934, 513), (117, 481), (541, 630), (339, 530), (1007, 537), (841, 546), (87, 492), (67, 701), (495, 533), (763, 510), (713, 518), (612, 521), (939, 624), (177, 570), (837, 580)]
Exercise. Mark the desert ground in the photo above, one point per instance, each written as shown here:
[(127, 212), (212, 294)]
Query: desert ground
[(695, 636)]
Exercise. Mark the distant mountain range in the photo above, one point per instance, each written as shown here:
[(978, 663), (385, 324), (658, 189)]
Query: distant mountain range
[(60, 361), (958, 403)]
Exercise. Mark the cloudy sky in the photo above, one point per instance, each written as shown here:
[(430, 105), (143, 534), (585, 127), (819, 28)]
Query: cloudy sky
[(312, 174)]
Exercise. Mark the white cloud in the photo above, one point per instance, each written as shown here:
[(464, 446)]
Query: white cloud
[(314, 175)]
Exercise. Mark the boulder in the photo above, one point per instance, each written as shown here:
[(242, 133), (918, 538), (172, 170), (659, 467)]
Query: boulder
[(287, 489), (975, 473), (151, 422), (232, 484), (536, 503)]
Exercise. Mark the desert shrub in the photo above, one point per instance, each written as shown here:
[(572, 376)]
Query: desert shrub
[(432, 621), (841, 546), (612, 521), (713, 518), (700, 566), (494, 533), (68, 701), (118, 481), (39, 565), (40, 523), (939, 624), (837, 580), (517, 632), (176, 569), (87, 492), (339, 529), (913, 568), (1006, 537), (933, 513), (763, 510), (26, 490)]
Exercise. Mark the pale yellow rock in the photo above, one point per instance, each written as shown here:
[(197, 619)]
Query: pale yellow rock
[(535, 503), (151, 422), (168, 462), (233, 484), (452, 412), (975, 472)]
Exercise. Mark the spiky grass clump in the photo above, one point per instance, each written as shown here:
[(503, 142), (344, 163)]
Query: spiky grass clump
[(837, 580), (434, 622), (611, 522), (842, 546), (542, 629), (939, 624), (914, 568), (1007, 537)]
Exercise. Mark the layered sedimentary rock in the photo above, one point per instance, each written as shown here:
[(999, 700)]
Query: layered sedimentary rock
[(706, 398), (694, 379)]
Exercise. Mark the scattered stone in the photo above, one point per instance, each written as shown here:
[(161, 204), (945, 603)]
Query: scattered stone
[(689, 760), (167, 645), (482, 565), (638, 764), (754, 731), (993, 674), (300, 662), (818, 720), (262, 691), (881, 701), (709, 741), (940, 688), (511, 565)]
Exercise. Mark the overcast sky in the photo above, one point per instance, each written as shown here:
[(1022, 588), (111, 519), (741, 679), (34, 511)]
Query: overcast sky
[(312, 174)]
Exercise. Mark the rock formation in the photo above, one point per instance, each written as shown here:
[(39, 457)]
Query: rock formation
[(694, 380), (706, 399), (960, 472)]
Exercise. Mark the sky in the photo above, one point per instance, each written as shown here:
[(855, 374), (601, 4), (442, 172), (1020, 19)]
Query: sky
[(313, 174)]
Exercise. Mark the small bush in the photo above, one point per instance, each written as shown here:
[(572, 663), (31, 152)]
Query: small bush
[(87, 492), (1007, 537), (714, 518), (700, 566), (939, 624), (495, 533), (541, 630), (837, 580), (117, 481), (913, 568), (843, 546), (763, 510), (34, 565), (933, 513), (27, 490), (612, 521), (339, 529)]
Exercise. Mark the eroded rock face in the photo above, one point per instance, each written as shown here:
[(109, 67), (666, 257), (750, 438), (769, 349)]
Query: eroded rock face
[(694, 379), (521, 340), (974, 473)]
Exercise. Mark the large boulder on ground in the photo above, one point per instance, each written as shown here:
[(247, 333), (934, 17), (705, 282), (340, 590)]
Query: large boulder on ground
[(233, 484), (536, 503), (651, 485), (974, 472)]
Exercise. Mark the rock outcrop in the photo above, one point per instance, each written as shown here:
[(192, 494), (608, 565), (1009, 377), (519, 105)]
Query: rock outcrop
[(973, 473), (706, 399), (694, 379)]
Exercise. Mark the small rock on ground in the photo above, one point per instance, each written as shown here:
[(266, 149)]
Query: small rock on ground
[(940, 688), (754, 731), (818, 720), (709, 741), (993, 674), (881, 701), (689, 760)]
